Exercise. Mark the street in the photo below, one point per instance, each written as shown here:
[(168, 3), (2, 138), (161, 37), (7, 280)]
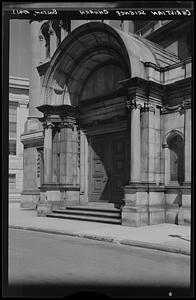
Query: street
[(44, 259)]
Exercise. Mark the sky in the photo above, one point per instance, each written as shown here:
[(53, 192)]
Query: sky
[(19, 49)]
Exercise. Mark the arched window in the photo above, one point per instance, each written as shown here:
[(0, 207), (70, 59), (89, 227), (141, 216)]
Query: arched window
[(46, 34), (176, 146)]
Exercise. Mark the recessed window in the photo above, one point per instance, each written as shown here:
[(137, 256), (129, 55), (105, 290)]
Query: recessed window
[(12, 181), (12, 147), (176, 146)]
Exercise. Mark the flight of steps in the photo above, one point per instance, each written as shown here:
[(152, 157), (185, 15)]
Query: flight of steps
[(94, 213)]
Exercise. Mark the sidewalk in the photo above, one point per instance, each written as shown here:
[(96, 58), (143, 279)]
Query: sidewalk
[(164, 237)]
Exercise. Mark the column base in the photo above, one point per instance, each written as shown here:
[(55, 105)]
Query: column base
[(143, 206), (29, 199), (55, 196)]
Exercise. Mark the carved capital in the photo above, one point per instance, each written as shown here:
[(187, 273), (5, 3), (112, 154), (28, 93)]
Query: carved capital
[(67, 124), (133, 104), (148, 107), (47, 125), (165, 146), (186, 104)]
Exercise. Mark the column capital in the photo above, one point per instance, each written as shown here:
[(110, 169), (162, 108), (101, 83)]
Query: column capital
[(47, 125), (67, 124), (186, 104), (148, 107), (165, 146), (133, 104)]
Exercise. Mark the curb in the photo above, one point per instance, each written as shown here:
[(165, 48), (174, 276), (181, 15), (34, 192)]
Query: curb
[(107, 239), (155, 246)]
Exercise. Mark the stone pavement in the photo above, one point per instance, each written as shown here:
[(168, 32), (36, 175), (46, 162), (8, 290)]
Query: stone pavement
[(164, 237)]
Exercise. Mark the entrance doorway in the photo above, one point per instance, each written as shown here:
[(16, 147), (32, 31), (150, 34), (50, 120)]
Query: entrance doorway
[(108, 167)]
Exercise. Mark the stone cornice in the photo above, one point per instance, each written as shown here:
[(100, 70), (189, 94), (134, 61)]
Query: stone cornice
[(59, 110), (19, 82), (33, 138), (21, 99)]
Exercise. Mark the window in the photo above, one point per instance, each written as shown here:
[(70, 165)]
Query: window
[(12, 129), (12, 147), (12, 181)]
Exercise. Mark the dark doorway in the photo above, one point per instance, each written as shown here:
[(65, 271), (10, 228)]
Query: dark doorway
[(108, 167)]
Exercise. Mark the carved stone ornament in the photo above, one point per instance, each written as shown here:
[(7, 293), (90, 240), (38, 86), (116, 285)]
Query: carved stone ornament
[(67, 124), (133, 104), (165, 146), (177, 108), (148, 107), (47, 125)]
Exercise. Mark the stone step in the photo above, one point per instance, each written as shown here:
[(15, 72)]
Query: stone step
[(90, 212), (93, 208), (100, 204), (85, 218)]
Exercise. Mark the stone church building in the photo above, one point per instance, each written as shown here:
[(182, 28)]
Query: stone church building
[(108, 137)]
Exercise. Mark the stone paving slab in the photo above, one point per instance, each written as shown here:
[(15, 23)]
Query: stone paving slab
[(165, 237)]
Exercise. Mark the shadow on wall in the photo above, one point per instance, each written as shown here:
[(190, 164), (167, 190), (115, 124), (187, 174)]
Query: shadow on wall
[(178, 201)]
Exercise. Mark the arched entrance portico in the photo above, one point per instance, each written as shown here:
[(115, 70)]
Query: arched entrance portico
[(84, 75), (101, 121)]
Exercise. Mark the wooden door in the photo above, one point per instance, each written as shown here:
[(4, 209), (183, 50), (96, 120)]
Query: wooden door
[(98, 183), (108, 167)]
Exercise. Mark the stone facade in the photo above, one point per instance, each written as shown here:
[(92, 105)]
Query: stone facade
[(112, 123), (18, 111)]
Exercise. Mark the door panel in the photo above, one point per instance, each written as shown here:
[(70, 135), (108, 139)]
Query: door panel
[(98, 189), (109, 167)]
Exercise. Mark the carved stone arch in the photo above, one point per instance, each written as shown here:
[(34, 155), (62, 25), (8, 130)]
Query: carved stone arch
[(91, 44), (170, 134)]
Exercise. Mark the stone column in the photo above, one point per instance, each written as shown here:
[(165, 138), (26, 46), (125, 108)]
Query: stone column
[(82, 163), (187, 159), (150, 110), (83, 167), (68, 160), (135, 147), (48, 153), (167, 163)]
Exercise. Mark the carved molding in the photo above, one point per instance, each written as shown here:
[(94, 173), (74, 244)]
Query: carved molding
[(148, 107), (67, 124), (47, 125), (133, 104), (177, 108), (138, 105)]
